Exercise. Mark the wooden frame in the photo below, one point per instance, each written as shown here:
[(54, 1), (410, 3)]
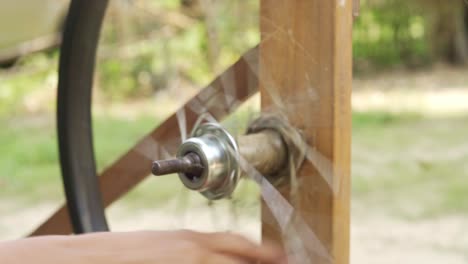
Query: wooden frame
[(305, 73)]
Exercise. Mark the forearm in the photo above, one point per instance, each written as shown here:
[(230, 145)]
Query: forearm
[(49, 249), (57, 249), (139, 248)]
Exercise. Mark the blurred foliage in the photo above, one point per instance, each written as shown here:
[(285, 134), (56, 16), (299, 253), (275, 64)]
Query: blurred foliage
[(148, 46), (29, 87), (416, 33), (154, 45), (158, 45), (389, 34)]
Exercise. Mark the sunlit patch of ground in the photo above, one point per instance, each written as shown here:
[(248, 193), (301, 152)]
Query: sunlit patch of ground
[(385, 239), (439, 91)]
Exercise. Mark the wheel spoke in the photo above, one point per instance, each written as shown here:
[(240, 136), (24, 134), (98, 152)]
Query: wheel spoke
[(218, 99)]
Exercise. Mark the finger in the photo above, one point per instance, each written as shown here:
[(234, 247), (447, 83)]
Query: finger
[(219, 258), (242, 247)]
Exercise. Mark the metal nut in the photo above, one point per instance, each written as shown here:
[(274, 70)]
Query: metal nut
[(219, 155)]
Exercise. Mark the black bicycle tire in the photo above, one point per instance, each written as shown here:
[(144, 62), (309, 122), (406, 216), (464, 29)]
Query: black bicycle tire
[(74, 121)]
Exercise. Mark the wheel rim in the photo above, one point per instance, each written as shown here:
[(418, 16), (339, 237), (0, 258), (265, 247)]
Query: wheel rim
[(76, 68)]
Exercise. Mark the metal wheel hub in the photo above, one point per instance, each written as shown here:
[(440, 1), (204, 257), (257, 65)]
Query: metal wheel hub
[(219, 155), (209, 161)]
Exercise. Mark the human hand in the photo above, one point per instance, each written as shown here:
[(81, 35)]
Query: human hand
[(188, 247), (144, 247)]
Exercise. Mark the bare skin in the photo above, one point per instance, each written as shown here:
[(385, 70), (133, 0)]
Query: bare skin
[(146, 247)]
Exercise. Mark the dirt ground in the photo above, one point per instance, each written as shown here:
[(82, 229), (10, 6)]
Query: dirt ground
[(439, 91)]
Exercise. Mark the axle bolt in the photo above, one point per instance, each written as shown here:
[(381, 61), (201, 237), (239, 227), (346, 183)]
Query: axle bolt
[(189, 164)]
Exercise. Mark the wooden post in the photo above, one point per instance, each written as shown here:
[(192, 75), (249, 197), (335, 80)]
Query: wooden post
[(306, 74)]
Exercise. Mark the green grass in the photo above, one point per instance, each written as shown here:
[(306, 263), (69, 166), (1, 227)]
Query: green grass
[(410, 165), (405, 164), (29, 153), (28, 161)]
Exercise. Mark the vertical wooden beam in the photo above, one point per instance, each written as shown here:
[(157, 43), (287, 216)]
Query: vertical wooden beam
[(306, 74)]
